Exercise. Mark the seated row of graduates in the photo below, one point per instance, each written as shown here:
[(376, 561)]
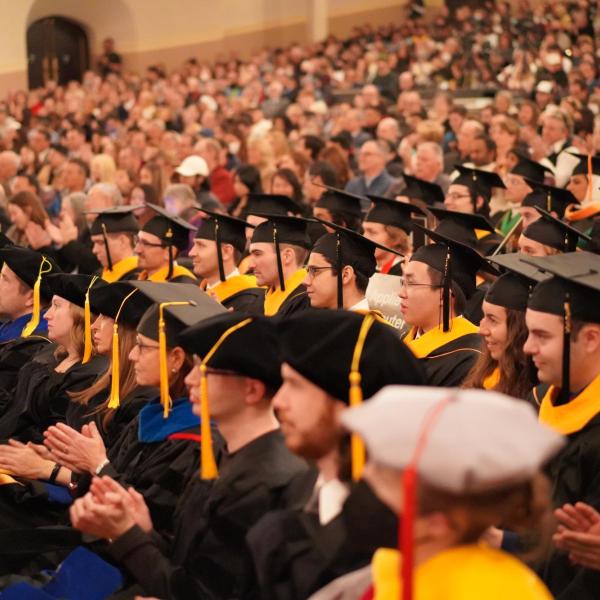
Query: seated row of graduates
[(268, 522), (275, 513)]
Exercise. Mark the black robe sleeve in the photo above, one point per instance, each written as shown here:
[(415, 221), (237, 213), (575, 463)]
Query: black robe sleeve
[(250, 301), (298, 300), (78, 255)]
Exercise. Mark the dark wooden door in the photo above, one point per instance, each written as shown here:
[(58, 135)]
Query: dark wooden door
[(57, 49)]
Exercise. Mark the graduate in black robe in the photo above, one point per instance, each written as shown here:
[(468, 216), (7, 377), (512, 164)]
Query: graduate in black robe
[(218, 271), (286, 293), (115, 228), (302, 547), (207, 556), (439, 277), (566, 406)]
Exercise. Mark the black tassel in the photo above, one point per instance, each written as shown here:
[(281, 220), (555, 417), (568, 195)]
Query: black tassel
[(446, 283), (566, 361), (278, 255), (219, 251), (339, 267), (109, 261)]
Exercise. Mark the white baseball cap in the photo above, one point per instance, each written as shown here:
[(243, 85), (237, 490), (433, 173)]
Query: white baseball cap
[(193, 165)]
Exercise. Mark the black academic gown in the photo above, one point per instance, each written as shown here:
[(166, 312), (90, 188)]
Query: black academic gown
[(294, 555), (296, 301), (207, 557), (447, 363), (29, 507), (248, 301), (574, 474), (13, 355), (41, 395)]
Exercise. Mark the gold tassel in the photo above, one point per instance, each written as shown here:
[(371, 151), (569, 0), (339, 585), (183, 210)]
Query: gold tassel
[(208, 465), (114, 400), (35, 313), (87, 333), (165, 397), (357, 446)]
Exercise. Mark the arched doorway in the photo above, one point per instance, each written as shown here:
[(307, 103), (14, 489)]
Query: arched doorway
[(57, 49)]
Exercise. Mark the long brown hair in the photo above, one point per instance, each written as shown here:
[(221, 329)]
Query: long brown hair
[(31, 205), (76, 335), (126, 378), (515, 375)]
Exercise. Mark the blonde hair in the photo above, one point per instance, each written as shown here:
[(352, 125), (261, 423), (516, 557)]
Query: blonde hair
[(430, 131), (107, 169)]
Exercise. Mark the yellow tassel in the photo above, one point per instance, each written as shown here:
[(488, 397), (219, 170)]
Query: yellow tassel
[(357, 447), (208, 465), (115, 400), (35, 313), (87, 333), (165, 398)]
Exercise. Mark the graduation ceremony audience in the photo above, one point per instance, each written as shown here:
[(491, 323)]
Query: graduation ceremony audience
[(320, 322)]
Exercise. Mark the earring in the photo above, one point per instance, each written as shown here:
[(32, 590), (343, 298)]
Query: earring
[(173, 370)]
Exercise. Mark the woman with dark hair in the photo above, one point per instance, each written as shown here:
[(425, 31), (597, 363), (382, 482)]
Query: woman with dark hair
[(143, 194), (24, 208), (246, 181), (502, 365), (285, 182)]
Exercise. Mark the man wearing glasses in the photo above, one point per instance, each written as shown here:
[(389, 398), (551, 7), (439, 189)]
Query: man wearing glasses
[(159, 243), (437, 281)]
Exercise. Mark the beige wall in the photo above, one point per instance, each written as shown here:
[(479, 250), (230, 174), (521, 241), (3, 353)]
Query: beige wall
[(169, 31)]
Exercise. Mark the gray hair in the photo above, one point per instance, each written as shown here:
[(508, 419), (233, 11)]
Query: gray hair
[(435, 148), (110, 190), (182, 191)]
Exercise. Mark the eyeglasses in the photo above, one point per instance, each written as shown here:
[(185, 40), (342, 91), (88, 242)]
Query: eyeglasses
[(457, 196), (141, 346), (314, 271), (410, 284), (137, 240)]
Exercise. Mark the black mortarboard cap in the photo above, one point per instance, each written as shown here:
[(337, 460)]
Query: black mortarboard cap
[(320, 345), (345, 247), (196, 305), (119, 219), (252, 349), (388, 211), (26, 263), (280, 229), (530, 169), (340, 201), (120, 298), (419, 189), (553, 232), (456, 262), (512, 289), (114, 220), (223, 229), (460, 226), (549, 197), (172, 230), (70, 286), (479, 182), (273, 204), (586, 164)]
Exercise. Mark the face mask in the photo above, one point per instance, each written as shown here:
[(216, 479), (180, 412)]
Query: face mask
[(369, 522)]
